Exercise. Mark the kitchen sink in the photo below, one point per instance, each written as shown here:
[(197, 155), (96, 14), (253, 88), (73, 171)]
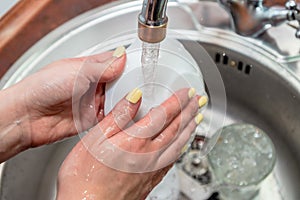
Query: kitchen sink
[(260, 83)]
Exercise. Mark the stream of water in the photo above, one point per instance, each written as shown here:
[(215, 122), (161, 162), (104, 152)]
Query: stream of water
[(149, 59)]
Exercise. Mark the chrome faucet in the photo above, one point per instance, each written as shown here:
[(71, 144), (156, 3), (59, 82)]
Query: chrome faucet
[(152, 21), (253, 17), (249, 17)]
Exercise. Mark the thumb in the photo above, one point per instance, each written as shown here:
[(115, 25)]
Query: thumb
[(104, 67)]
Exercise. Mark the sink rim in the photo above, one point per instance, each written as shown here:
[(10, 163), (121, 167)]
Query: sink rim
[(85, 20)]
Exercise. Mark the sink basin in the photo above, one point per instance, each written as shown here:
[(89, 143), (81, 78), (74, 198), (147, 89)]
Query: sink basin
[(260, 90)]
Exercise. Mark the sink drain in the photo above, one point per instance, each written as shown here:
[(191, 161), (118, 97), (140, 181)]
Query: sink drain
[(223, 58)]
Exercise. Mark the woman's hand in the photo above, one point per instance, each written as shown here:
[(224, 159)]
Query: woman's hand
[(116, 161), (39, 109)]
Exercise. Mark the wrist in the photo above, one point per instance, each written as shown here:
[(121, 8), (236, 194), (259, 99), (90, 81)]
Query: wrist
[(78, 190)]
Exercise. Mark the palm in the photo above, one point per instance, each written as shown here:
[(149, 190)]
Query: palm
[(63, 100)]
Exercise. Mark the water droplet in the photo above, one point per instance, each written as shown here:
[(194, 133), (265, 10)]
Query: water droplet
[(110, 147), (228, 175), (235, 166), (18, 122), (92, 168), (80, 149), (75, 172), (257, 134), (219, 162), (270, 155), (242, 183)]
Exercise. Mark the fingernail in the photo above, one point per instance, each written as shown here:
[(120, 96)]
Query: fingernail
[(184, 149), (202, 101), (192, 92), (199, 118), (120, 51), (134, 96)]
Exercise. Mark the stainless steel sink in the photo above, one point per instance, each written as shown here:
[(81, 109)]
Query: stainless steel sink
[(261, 82)]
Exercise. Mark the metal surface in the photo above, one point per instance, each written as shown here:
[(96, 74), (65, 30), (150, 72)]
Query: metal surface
[(153, 20), (154, 13), (152, 34), (263, 90), (252, 18)]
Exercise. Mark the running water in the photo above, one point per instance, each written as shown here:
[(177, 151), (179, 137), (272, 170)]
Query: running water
[(149, 60)]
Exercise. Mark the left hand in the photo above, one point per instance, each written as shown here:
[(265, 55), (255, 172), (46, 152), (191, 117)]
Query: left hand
[(40, 108)]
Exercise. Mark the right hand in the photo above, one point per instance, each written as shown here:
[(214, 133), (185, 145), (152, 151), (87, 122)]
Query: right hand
[(113, 162)]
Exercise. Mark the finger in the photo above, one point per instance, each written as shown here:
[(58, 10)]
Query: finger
[(98, 58), (103, 67), (159, 117), (179, 123), (123, 112), (99, 101), (177, 146), (115, 121)]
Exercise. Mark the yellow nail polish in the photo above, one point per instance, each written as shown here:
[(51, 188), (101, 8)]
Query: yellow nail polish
[(184, 149), (192, 92), (134, 96), (199, 118), (120, 51), (202, 101)]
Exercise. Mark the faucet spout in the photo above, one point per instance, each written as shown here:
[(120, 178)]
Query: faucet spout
[(152, 21)]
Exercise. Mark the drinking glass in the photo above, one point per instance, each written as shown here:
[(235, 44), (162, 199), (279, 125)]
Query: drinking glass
[(241, 159)]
